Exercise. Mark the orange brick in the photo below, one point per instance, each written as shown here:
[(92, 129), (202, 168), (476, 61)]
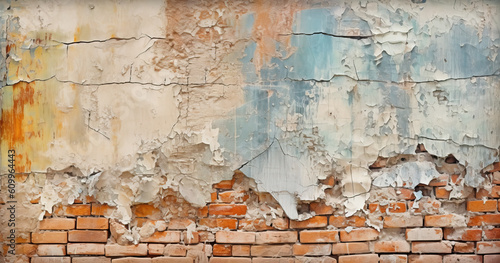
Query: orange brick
[(115, 250), (222, 250), (491, 258), (441, 180), (342, 221), (75, 210), (424, 234), (146, 210), (330, 181), (229, 223), (22, 238), (179, 223), (50, 260), (213, 197), (102, 209), (320, 236), (155, 249), (57, 224), (395, 246), (467, 247), (230, 260), (427, 206), (462, 234), (85, 249), (425, 259), (377, 207), (132, 260), (175, 250), (431, 247), (393, 258), (51, 250), (191, 237), (488, 247), (360, 234), (232, 237), (442, 193), (163, 237), (350, 248), (462, 258), (90, 260), (494, 193), (482, 206), (398, 207), (227, 209), (26, 249), (280, 223), (484, 220), (92, 223), (320, 208), (440, 220), (96, 236), (233, 196), (271, 250), (313, 222), (224, 184), (49, 237), (254, 225), (241, 250), (492, 234), (405, 194), (206, 237), (203, 212), (312, 250), (369, 258), (275, 237)]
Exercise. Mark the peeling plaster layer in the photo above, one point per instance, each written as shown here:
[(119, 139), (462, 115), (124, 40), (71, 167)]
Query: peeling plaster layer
[(175, 94)]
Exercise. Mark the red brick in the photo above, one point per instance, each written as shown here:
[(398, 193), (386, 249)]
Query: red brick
[(92, 223), (229, 223), (312, 250), (271, 250), (163, 237), (319, 236), (233, 196), (280, 223), (227, 209), (230, 260), (26, 249), (482, 206), (175, 250), (155, 249), (431, 247), (494, 193), (194, 238), (491, 258), (273, 260), (320, 208), (405, 194), (462, 234), (241, 250), (90, 260), (466, 247), (425, 259), (222, 250), (57, 224), (396, 246), (51, 250), (350, 248), (484, 220), (50, 260), (254, 225), (97, 236), (313, 222), (330, 181), (342, 221), (402, 221), (206, 236), (377, 207), (115, 250), (232, 237), (393, 258), (85, 249), (424, 234), (370, 258), (224, 184), (442, 193), (179, 223), (131, 260), (202, 212), (360, 234), (74, 210), (425, 206), (441, 180), (213, 197), (398, 207), (449, 220), (492, 234), (488, 247), (102, 209), (49, 237), (275, 237), (146, 210), (172, 260), (462, 258)]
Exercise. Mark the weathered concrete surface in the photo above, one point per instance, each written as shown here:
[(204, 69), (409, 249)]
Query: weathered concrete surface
[(179, 94)]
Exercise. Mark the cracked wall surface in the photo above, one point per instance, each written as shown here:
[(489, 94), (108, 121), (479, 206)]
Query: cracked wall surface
[(136, 97)]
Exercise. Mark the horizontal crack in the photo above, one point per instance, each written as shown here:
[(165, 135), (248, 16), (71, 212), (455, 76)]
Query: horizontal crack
[(327, 34)]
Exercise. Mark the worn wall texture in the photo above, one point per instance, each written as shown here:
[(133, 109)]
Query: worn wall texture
[(337, 115)]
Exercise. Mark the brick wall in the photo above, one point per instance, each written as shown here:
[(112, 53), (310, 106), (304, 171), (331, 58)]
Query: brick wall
[(232, 228)]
